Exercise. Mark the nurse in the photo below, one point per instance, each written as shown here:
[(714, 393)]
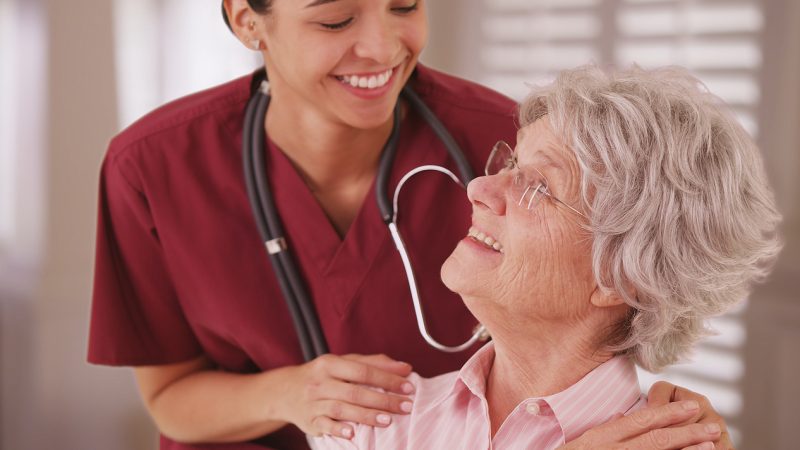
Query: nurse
[(183, 289)]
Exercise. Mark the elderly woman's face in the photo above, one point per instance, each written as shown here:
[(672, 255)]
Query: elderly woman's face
[(542, 256)]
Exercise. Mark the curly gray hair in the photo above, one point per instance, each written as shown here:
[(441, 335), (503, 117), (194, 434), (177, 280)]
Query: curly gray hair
[(680, 207)]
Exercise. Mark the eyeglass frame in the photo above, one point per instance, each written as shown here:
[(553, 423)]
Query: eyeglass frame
[(542, 188)]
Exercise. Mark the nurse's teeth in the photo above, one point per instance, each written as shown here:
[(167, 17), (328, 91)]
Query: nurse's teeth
[(368, 82), (485, 239)]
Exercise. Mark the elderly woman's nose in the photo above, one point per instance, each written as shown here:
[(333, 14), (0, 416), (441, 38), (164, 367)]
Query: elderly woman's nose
[(488, 192)]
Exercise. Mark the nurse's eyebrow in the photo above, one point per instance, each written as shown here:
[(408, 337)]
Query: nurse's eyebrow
[(320, 2)]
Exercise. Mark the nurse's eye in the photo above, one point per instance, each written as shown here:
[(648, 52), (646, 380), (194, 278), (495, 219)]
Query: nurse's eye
[(406, 9), (337, 25)]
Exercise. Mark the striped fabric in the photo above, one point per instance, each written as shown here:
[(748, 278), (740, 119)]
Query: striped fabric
[(451, 412)]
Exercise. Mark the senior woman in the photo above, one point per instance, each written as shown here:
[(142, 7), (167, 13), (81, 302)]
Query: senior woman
[(633, 208)]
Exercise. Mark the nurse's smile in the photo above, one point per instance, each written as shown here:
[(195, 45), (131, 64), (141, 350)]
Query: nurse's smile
[(370, 85)]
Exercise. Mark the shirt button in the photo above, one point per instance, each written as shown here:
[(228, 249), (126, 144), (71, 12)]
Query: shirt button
[(532, 409)]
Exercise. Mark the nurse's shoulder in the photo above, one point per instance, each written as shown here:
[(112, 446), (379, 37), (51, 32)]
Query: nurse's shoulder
[(439, 88), (219, 108)]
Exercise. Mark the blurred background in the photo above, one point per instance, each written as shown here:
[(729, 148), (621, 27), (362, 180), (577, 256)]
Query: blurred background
[(73, 73)]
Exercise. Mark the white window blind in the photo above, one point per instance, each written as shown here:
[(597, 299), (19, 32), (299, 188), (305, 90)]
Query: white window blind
[(166, 49), (23, 94), (8, 99), (528, 41)]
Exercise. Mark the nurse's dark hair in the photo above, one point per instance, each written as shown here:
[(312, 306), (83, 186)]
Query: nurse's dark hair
[(259, 6)]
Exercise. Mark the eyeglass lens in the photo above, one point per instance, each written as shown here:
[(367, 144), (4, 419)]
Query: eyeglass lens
[(528, 186)]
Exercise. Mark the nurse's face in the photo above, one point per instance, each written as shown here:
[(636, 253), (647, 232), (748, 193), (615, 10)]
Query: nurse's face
[(344, 60)]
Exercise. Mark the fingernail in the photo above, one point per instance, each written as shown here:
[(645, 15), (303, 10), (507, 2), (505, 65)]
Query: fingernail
[(347, 432), (407, 388), (384, 419), (405, 406), (691, 405), (706, 446), (712, 428)]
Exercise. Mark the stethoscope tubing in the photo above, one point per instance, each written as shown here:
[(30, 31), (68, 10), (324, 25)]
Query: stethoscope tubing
[(301, 309), (303, 315), (480, 332)]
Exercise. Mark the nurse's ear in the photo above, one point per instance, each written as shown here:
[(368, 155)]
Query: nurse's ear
[(245, 23)]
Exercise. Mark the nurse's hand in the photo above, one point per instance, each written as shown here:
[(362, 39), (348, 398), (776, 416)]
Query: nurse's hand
[(662, 393), (670, 426), (323, 394)]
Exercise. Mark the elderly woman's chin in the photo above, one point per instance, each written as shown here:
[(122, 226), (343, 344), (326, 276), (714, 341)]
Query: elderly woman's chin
[(465, 273)]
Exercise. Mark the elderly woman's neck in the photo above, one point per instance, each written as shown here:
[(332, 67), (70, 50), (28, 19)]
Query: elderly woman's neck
[(546, 361)]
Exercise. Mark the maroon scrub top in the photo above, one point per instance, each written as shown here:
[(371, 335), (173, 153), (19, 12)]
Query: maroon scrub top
[(181, 271)]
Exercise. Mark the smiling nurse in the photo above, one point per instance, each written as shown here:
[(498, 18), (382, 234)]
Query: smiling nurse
[(184, 291)]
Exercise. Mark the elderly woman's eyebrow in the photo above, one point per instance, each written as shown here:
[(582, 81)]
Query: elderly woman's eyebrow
[(320, 2)]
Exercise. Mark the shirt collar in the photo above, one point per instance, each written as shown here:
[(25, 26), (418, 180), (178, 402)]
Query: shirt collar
[(475, 372), (609, 389)]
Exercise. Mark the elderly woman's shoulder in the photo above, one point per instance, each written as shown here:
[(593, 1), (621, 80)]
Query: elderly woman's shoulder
[(430, 392)]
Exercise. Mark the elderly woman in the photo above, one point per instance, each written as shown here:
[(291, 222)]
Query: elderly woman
[(633, 208)]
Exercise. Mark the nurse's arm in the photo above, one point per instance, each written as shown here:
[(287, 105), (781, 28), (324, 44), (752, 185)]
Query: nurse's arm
[(192, 402)]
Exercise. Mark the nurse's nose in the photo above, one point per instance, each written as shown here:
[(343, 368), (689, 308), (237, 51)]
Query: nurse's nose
[(378, 41), (488, 192)]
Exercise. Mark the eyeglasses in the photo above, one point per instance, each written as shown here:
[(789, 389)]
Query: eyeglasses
[(528, 184)]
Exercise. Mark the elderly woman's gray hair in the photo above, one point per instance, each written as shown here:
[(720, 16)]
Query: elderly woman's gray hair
[(682, 217)]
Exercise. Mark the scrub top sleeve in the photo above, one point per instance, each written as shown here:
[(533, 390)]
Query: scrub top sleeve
[(136, 316)]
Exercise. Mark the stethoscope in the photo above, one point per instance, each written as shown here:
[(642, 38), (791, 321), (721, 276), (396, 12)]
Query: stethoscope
[(301, 309)]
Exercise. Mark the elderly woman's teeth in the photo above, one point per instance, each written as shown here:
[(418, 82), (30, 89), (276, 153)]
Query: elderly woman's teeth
[(485, 239), (370, 82)]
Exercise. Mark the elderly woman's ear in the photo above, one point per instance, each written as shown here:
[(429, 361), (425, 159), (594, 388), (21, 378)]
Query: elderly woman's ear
[(603, 299)]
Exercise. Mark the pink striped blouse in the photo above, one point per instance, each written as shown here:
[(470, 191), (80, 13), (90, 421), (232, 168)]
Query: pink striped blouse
[(450, 411)]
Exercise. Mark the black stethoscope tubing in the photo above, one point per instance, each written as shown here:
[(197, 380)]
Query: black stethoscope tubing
[(301, 309)]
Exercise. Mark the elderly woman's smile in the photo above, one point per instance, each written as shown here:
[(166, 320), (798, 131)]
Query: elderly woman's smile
[(489, 241)]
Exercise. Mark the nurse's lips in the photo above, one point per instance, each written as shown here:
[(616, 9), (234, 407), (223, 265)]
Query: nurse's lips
[(485, 239)]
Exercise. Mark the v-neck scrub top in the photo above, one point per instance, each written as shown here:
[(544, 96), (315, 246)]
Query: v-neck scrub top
[(181, 270)]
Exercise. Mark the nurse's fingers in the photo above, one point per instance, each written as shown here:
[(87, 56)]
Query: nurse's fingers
[(649, 422), (325, 425), (663, 392), (382, 362), (703, 446), (362, 373), (360, 395), (346, 412), (676, 438)]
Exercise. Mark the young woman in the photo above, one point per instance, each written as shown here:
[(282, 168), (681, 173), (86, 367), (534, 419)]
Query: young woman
[(184, 291)]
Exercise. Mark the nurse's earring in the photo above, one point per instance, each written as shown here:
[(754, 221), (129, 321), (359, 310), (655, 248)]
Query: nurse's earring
[(255, 44)]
